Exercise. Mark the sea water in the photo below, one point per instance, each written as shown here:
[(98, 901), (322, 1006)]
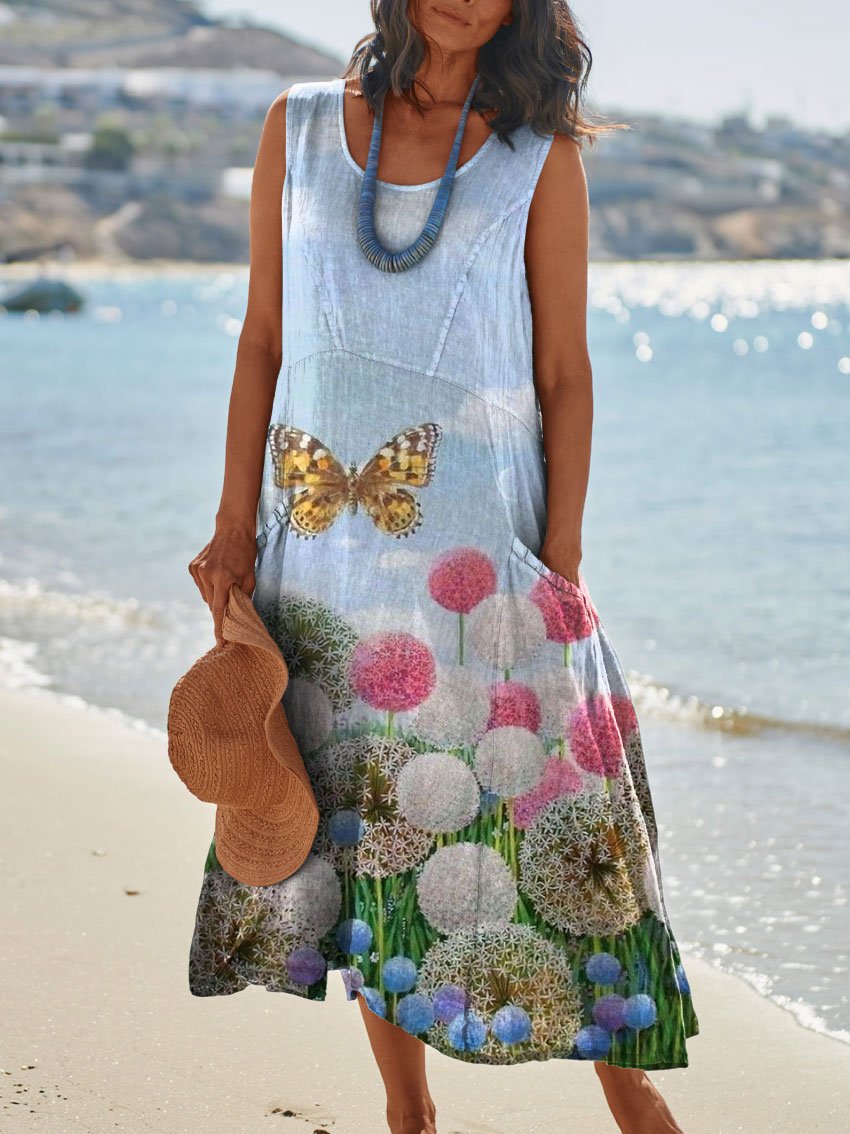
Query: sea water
[(716, 548)]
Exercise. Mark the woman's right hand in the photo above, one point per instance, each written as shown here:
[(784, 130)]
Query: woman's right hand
[(228, 558)]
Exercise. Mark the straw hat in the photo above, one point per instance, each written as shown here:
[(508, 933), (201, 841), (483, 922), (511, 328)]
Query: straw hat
[(230, 743)]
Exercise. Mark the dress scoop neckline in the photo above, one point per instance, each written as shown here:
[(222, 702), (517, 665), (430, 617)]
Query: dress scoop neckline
[(346, 152)]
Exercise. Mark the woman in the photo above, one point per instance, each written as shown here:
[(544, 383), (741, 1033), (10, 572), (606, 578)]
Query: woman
[(485, 874)]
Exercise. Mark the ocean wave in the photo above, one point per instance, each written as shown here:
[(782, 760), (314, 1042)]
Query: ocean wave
[(654, 699), (31, 598), (804, 1013)]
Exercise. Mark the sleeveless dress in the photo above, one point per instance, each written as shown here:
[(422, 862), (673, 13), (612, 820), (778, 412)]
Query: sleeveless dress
[(486, 867)]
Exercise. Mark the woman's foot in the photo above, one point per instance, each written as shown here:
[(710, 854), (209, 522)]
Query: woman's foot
[(417, 1116), (635, 1102)]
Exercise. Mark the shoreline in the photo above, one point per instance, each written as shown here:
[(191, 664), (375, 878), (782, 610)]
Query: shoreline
[(102, 863), (99, 267)]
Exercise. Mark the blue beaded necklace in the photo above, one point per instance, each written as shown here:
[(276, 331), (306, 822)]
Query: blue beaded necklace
[(372, 248)]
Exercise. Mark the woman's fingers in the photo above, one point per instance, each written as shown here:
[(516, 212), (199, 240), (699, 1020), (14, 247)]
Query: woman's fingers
[(196, 571), (217, 606), (217, 566)]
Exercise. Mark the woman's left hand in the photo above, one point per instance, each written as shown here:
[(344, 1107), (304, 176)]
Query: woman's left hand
[(563, 562)]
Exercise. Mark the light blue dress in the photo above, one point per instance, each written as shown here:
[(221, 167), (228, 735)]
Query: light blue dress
[(486, 868)]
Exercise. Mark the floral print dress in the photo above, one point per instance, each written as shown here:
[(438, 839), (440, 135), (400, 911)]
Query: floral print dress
[(486, 870)]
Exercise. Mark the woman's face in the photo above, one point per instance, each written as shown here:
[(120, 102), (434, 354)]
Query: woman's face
[(458, 25)]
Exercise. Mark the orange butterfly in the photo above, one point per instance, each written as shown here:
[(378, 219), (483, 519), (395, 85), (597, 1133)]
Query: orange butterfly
[(324, 486)]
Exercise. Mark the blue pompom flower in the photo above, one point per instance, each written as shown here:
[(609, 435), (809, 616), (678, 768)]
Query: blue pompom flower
[(609, 1012), (682, 980), (511, 1024), (449, 999), (374, 1000), (353, 935), (603, 968), (593, 1042), (305, 965), (346, 828), (639, 1011), (415, 1013), (399, 974), (467, 1031)]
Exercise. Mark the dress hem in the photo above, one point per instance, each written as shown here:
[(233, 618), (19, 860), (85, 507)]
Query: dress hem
[(461, 1056)]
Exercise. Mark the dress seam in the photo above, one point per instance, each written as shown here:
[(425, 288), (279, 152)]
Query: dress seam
[(461, 282), (415, 370)]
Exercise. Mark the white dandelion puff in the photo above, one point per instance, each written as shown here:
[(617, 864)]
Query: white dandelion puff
[(309, 713), (506, 630), (437, 792), (306, 904), (466, 885), (360, 774), (456, 711), (558, 693), (509, 760)]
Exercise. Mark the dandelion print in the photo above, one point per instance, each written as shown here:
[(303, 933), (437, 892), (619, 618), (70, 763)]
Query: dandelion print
[(457, 710), (558, 693), (306, 904), (560, 777), (565, 614), (437, 792), (513, 703), (506, 630), (572, 867), (509, 965), (484, 871), (360, 774), (393, 671), (458, 580), (309, 713), (594, 737), (315, 641), (509, 760), (227, 917), (637, 769), (464, 885)]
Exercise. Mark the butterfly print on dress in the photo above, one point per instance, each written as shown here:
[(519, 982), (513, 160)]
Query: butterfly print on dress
[(324, 486)]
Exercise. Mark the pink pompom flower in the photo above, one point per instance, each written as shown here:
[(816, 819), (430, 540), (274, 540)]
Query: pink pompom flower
[(512, 703), (625, 715), (566, 616), (594, 737), (460, 578), (560, 777), (392, 671)]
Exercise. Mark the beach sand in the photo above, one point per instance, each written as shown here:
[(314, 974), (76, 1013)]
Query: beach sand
[(101, 863)]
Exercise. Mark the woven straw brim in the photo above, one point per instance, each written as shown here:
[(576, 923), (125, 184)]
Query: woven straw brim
[(260, 848), (230, 742)]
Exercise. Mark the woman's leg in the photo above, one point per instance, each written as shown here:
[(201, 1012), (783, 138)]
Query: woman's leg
[(635, 1102), (401, 1062)]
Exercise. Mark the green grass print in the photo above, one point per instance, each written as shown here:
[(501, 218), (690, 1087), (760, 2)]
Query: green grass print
[(646, 951)]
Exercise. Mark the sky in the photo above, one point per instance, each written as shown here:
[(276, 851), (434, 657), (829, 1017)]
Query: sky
[(688, 60)]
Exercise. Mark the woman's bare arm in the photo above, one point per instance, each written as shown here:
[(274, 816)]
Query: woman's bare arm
[(556, 260), (229, 556)]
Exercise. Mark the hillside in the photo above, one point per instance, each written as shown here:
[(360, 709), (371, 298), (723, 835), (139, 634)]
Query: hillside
[(145, 33)]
